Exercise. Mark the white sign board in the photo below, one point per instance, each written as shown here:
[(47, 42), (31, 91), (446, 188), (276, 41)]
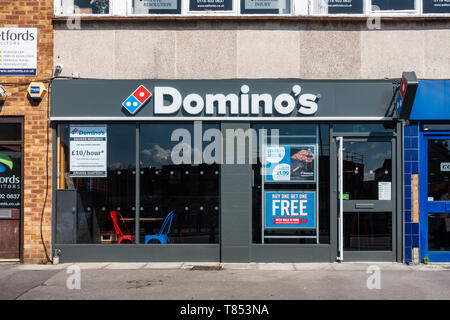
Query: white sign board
[(384, 191), (445, 166), (88, 151), (18, 51)]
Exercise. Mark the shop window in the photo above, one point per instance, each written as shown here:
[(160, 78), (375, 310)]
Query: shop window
[(439, 170), (86, 6), (265, 6), (389, 5), (439, 231), (338, 7), (175, 175), (10, 131), (210, 5), (436, 6), (98, 162), (156, 6), (291, 175)]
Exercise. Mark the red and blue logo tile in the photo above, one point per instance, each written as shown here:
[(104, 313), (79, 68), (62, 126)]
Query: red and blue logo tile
[(137, 99)]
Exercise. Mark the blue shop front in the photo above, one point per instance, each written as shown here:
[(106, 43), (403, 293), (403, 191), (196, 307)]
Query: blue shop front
[(426, 169)]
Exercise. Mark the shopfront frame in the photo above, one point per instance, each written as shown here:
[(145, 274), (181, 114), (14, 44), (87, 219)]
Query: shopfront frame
[(235, 243)]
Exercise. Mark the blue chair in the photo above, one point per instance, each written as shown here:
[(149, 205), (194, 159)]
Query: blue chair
[(161, 236)]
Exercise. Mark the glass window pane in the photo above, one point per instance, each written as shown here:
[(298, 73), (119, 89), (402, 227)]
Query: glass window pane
[(210, 5), (366, 165), (367, 231), (364, 127), (439, 231), (10, 131), (189, 188), (156, 6), (393, 4), (265, 6), (293, 134), (339, 6), (89, 6), (97, 198), (436, 6), (439, 170)]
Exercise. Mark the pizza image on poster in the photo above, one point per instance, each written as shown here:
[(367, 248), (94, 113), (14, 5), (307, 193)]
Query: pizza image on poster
[(290, 164), (302, 163)]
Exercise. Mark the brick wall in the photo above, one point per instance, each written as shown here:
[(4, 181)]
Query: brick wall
[(32, 14)]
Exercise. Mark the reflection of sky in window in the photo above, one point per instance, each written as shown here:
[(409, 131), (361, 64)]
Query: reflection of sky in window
[(156, 145), (371, 154), (121, 146)]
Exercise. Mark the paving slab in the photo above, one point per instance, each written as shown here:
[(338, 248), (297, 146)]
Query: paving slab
[(275, 266), (239, 266), (91, 265), (349, 266), (163, 265), (190, 265), (125, 266), (38, 267), (312, 266)]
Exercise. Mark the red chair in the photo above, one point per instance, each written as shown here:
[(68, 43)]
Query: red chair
[(120, 236)]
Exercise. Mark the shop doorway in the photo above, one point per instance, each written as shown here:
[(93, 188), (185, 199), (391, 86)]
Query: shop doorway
[(10, 202), (435, 198), (364, 196)]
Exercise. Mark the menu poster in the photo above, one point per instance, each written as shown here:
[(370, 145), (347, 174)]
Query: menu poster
[(290, 163), (436, 6), (345, 6), (211, 5), (157, 6)]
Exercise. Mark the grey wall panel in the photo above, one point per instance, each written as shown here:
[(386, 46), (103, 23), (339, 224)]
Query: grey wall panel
[(66, 217), (290, 253), (138, 253), (236, 206)]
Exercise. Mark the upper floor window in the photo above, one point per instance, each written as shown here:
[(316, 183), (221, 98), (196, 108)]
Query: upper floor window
[(251, 7), (389, 5)]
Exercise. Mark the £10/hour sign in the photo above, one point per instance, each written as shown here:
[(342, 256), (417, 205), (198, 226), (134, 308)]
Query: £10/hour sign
[(290, 210)]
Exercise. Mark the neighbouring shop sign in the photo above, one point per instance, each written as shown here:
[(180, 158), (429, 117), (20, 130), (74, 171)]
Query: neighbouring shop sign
[(18, 51), (10, 174), (157, 6), (210, 5), (290, 163), (284, 209), (88, 147), (436, 6)]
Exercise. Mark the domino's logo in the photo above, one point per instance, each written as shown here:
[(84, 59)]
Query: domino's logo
[(137, 99)]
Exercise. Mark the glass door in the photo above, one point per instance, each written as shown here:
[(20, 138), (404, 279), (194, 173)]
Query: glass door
[(435, 212), (10, 201), (366, 198)]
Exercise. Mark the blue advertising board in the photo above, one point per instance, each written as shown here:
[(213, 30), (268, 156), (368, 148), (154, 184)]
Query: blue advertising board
[(290, 209), (290, 164)]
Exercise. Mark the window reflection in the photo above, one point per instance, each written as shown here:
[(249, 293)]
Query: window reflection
[(97, 197), (439, 170), (190, 190), (439, 231), (366, 164)]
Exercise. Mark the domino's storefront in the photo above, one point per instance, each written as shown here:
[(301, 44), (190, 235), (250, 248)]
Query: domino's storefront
[(241, 170), (427, 172)]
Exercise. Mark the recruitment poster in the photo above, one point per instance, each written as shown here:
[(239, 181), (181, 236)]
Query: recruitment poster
[(290, 210), (290, 163), (88, 151)]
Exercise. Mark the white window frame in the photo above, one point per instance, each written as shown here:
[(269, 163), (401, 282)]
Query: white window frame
[(59, 8), (305, 8)]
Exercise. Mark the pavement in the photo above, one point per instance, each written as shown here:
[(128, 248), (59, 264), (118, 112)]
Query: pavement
[(226, 281)]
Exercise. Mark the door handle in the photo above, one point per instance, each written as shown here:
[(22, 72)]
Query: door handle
[(365, 206)]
